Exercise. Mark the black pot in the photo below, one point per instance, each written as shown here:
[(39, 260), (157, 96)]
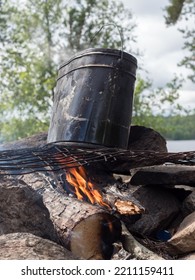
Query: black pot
[(93, 100)]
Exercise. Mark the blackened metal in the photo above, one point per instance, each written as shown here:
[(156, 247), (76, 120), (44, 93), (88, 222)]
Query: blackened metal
[(58, 156), (93, 99)]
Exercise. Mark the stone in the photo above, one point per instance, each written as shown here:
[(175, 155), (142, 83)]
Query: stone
[(161, 208), (26, 246), (22, 210), (190, 256), (183, 241), (163, 175), (136, 249), (188, 205), (36, 140), (144, 138)]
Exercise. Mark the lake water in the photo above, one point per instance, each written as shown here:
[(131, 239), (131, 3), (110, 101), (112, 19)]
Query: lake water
[(180, 145), (172, 145)]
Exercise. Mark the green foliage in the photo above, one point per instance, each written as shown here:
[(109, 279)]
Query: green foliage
[(150, 105), (35, 37), (178, 127), (85, 18), (10, 133), (189, 44), (38, 35), (27, 66), (177, 10), (174, 11), (158, 109)]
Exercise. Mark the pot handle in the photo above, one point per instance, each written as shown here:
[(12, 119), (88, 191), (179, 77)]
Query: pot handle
[(119, 31)]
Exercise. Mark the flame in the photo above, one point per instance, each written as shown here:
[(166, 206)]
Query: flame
[(83, 186)]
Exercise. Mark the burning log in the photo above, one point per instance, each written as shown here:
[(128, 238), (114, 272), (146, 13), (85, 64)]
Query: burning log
[(87, 230), (123, 203), (90, 189)]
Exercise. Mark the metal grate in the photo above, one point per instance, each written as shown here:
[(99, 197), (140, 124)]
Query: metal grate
[(59, 156)]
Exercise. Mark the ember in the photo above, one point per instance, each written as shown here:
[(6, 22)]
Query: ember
[(84, 188)]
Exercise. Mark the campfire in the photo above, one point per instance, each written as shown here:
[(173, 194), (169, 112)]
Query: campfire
[(84, 189), (80, 192), (87, 145)]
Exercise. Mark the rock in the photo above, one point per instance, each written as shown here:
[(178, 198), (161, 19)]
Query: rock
[(163, 175), (183, 241), (141, 138), (137, 250), (22, 210), (161, 207), (184, 187), (26, 246), (188, 205), (37, 140), (188, 257), (144, 138)]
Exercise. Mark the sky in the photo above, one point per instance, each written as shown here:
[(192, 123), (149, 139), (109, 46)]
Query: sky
[(161, 46)]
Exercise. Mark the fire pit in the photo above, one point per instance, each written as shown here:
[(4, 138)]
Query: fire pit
[(88, 138)]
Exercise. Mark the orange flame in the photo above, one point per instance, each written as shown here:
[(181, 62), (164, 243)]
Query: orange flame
[(83, 186)]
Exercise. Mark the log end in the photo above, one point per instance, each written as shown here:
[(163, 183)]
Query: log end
[(93, 237)]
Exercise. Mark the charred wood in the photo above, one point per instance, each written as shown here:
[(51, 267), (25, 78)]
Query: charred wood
[(123, 203), (87, 230), (164, 175)]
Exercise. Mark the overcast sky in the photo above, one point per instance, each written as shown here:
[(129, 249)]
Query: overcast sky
[(161, 45)]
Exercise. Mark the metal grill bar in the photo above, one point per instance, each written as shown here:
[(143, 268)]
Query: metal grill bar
[(55, 157)]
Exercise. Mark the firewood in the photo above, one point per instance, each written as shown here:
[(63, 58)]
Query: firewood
[(27, 246), (123, 203), (164, 174), (87, 230), (136, 249), (89, 220), (141, 138)]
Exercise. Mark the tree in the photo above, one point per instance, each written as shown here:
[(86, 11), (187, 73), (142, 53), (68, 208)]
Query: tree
[(151, 106), (38, 35), (27, 66), (35, 37), (177, 10)]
